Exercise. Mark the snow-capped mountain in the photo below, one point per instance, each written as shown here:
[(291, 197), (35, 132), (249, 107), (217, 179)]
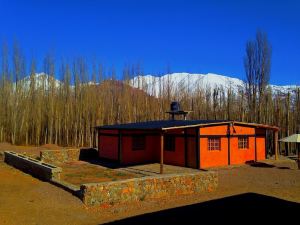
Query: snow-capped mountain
[(190, 82), (175, 82), (41, 80), (283, 88)]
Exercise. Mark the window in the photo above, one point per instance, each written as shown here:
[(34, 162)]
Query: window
[(138, 142), (243, 142), (169, 143), (214, 143)]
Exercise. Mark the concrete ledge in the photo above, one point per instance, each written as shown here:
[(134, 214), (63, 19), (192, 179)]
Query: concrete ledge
[(140, 189), (60, 156), (36, 168)]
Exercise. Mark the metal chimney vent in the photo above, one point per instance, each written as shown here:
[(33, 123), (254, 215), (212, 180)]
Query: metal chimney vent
[(175, 110), (175, 106)]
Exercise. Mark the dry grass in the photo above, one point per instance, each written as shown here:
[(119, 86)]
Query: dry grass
[(81, 172)]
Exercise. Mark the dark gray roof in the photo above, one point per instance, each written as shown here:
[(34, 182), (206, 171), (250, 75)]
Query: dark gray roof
[(159, 124)]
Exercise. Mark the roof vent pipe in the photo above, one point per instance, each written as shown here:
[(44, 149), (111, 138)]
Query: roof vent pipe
[(175, 106), (176, 110)]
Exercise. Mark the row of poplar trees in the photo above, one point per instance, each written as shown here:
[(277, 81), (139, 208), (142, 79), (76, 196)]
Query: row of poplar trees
[(62, 105)]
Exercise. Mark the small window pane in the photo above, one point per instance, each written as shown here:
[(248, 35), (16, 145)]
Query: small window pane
[(214, 143), (243, 142), (169, 143), (138, 142)]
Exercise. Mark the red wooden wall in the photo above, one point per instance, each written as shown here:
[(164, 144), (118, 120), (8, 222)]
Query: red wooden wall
[(185, 153), (108, 145), (147, 155)]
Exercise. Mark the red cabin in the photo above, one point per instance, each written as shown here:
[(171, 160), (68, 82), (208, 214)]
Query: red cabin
[(190, 143)]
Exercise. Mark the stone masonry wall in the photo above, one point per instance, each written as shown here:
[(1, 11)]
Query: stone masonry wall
[(60, 156), (139, 189), (34, 167)]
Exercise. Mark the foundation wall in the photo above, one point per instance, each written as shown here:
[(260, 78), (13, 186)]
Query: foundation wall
[(36, 168), (154, 187), (60, 156)]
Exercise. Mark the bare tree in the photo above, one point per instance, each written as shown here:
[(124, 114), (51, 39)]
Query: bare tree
[(62, 108), (257, 63)]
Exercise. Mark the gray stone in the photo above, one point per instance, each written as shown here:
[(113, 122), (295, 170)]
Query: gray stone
[(44, 171), (140, 189)]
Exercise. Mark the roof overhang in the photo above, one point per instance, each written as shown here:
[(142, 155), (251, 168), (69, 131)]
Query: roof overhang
[(197, 125), (254, 125), (257, 125)]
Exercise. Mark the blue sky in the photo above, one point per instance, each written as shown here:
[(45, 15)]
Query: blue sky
[(189, 36)]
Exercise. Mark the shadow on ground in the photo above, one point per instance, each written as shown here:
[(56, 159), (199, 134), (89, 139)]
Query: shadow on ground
[(259, 164), (245, 208), (103, 162), (266, 165), (90, 155), (283, 168)]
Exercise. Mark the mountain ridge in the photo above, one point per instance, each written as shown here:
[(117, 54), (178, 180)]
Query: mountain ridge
[(177, 81), (192, 81)]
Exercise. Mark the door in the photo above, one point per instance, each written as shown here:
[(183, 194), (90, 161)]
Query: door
[(191, 152), (261, 148)]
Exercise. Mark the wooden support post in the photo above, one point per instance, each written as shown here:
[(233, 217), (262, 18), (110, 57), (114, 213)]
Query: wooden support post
[(255, 148), (266, 144), (276, 144), (120, 147), (198, 147), (161, 153), (298, 152), (228, 140), (97, 139), (186, 147), (95, 142)]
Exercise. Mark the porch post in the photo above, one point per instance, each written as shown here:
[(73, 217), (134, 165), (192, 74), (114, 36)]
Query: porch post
[(255, 148), (276, 144), (96, 139), (228, 140), (120, 146), (185, 147), (298, 152), (161, 153), (198, 147)]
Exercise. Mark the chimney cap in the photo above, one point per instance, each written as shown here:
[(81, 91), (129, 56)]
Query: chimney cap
[(175, 106), (175, 110)]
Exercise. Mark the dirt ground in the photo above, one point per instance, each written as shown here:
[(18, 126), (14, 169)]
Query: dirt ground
[(32, 151), (27, 200)]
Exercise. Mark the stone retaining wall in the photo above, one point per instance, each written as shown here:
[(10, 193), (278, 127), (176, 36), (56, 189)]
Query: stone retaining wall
[(60, 156), (32, 166), (140, 189)]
